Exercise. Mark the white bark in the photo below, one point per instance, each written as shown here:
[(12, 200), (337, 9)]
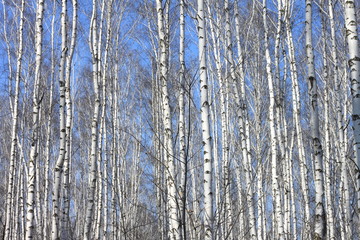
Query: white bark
[(205, 124), (329, 203), (49, 131), (219, 220), (68, 124), (354, 65), (320, 223), (182, 130), (35, 128), (102, 155), (174, 223), (14, 130), (114, 155), (345, 210), (94, 125), (55, 230), (278, 223), (242, 115), (296, 116), (228, 226)]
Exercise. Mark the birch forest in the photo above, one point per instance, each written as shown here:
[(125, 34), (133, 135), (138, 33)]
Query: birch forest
[(179, 120)]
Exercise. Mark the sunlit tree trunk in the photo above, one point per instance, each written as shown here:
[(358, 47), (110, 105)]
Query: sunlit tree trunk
[(219, 219), (182, 130), (278, 223), (102, 155), (66, 228), (35, 121), (14, 131), (55, 232), (174, 223), (296, 116), (242, 115), (114, 152), (354, 65), (49, 133), (330, 226), (93, 41), (320, 223), (205, 123), (226, 155)]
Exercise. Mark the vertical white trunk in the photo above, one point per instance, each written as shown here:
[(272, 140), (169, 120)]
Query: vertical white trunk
[(219, 219), (225, 141), (289, 159), (279, 232), (320, 223), (14, 130), (16, 231), (22, 202), (195, 201), (354, 65), (94, 125), (102, 155), (344, 184), (114, 152), (327, 148), (299, 134), (55, 230), (35, 128), (174, 223), (37, 187), (242, 115), (106, 189), (99, 187), (239, 169), (49, 131), (182, 145), (259, 159), (205, 124), (69, 123)]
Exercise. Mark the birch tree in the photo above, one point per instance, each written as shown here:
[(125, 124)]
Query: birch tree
[(174, 223), (30, 201), (205, 123), (279, 232), (296, 117), (14, 131), (182, 130), (320, 223), (354, 65), (93, 41), (60, 161)]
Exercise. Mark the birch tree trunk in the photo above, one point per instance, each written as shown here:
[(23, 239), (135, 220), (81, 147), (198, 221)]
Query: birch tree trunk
[(354, 65), (62, 150), (49, 131), (205, 124), (35, 121), (182, 130), (296, 116), (228, 218), (93, 41), (329, 203), (279, 232), (220, 221), (242, 115), (66, 227), (174, 223), (320, 223), (114, 153), (14, 130)]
